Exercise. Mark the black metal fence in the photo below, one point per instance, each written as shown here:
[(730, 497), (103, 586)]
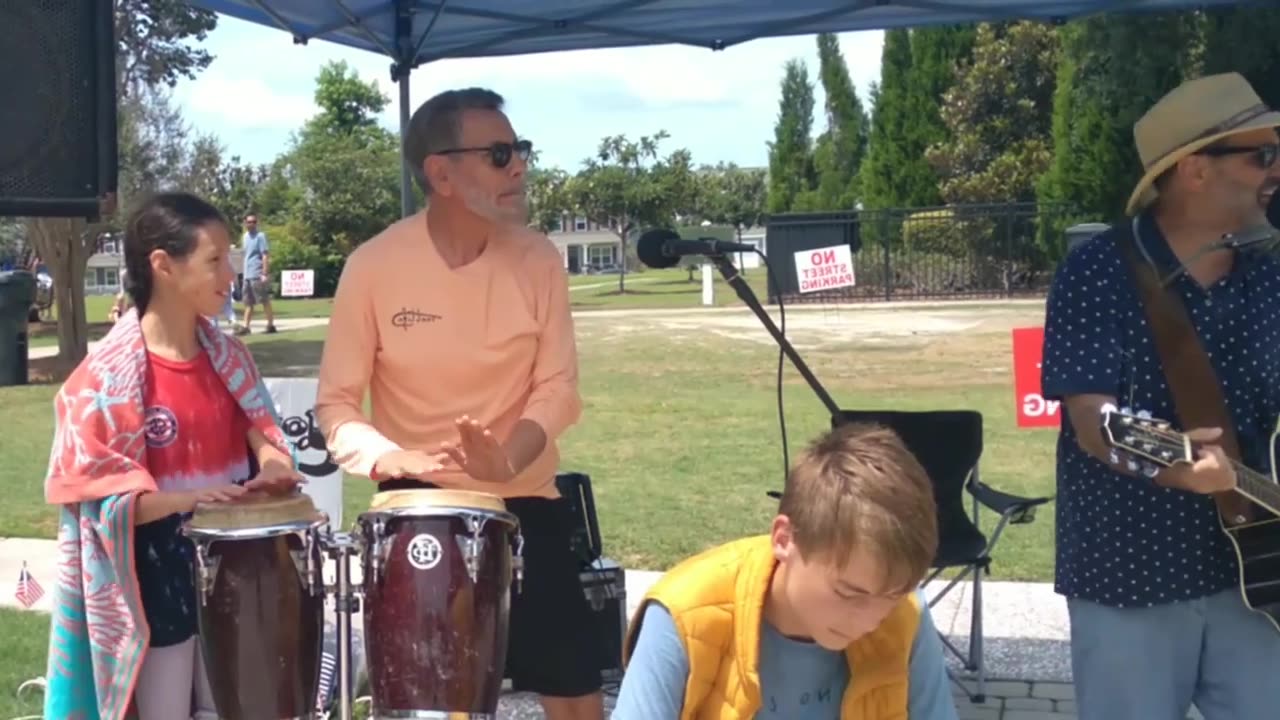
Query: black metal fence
[(953, 252)]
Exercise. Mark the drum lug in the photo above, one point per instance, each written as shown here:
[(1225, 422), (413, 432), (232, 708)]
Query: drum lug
[(304, 562), (206, 571), (471, 548), (378, 550)]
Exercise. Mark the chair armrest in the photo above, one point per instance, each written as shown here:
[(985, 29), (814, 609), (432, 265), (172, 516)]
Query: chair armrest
[(1016, 508)]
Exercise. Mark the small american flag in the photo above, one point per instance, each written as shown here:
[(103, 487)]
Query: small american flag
[(28, 591)]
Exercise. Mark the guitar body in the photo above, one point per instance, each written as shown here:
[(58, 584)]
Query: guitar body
[(1257, 545), (1149, 444)]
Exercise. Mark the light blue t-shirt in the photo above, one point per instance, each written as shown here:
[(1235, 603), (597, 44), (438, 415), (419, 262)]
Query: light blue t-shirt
[(799, 680), (255, 247)]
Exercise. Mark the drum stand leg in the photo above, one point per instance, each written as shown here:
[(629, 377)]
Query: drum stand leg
[(346, 603)]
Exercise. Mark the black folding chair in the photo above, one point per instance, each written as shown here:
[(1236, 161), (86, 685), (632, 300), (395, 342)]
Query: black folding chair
[(948, 444)]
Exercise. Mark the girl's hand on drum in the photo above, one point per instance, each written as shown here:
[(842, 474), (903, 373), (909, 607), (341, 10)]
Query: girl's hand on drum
[(479, 453), (219, 493), (275, 477)]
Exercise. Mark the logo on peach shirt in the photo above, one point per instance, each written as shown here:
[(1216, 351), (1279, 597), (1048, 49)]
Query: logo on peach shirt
[(407, 318)]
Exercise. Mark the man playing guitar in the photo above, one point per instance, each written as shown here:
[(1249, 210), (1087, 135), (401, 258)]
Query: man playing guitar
[(1151, 579)]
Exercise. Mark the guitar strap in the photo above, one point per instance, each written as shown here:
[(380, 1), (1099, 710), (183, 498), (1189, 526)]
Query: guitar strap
[(1197, 393)]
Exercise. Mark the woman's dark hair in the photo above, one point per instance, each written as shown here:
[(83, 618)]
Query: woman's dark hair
[(165, 221)]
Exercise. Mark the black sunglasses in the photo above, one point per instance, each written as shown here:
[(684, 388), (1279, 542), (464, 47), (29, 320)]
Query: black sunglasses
[(500, 153), (1264, 156)]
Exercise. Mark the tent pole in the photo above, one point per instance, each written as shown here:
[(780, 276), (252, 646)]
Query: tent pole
[(407, 203)]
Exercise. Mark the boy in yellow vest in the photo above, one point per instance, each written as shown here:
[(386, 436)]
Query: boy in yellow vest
[(818, 620)]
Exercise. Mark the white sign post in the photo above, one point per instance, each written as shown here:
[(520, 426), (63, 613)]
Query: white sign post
[(298, 283), (708, 285), (825, 268), (295, 401)]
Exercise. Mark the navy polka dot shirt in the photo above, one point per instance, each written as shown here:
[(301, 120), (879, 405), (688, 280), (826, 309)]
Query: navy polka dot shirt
[(1121, 540)]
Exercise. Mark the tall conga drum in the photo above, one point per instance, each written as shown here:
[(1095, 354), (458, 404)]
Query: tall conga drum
[(437, 568), (260, 586)]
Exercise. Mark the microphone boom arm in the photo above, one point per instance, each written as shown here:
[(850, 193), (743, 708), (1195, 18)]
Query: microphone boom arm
[(748, 297)]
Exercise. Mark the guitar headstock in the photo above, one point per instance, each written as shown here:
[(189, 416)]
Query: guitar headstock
[(1144, 443)]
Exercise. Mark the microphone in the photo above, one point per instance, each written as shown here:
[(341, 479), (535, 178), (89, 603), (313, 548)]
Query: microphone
[(663, 248)]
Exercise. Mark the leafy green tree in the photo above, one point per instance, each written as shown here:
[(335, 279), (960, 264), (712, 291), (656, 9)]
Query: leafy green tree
[(345, 168), (734, 196), (841, 148), (1232, 44), (628, 185), (1111, 71), (999, 116), (548, 197), (791, 170)]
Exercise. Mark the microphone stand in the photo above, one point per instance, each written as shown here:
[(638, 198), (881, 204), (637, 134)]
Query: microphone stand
[(739, 284)]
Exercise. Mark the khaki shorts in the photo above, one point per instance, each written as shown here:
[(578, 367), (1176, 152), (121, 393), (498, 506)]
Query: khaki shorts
[(256, 292)]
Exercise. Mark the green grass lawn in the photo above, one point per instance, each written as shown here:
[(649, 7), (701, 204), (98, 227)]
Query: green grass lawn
[(26, 644), (680, 457)]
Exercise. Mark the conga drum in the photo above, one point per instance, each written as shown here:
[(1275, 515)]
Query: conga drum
[(437, 572), (260, 586)]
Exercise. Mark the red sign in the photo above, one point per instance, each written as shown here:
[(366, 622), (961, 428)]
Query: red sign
[(1033, 409)]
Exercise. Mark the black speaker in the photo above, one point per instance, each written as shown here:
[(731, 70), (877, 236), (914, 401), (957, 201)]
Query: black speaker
[(58, 155), (575, 489)]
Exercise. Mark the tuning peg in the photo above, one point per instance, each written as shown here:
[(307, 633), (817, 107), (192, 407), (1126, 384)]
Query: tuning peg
[(1144, 414), (1133, 466), (1109, 408), (1150, 471), (1114, 457)]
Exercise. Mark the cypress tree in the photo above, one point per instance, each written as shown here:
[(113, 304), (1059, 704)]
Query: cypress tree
[(791, 172)]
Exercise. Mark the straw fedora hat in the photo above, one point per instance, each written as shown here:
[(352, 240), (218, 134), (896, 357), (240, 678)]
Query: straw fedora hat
[(1192, 116)]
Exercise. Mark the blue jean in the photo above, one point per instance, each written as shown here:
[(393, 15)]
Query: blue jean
[(1153, 663)]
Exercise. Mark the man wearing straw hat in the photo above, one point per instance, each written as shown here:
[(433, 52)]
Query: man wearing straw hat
[(1152, 584)]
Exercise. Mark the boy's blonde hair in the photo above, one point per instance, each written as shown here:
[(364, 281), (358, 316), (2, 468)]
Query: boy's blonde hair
[(856, 487)]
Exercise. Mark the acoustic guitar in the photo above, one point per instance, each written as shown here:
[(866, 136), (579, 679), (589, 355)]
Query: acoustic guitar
[(1146, 445)]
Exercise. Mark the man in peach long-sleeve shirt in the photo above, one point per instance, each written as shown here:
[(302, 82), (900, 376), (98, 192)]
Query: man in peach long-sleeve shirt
[(456, 320)]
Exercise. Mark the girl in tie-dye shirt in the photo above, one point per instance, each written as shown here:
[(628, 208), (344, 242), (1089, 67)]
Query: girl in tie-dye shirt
[(198, 438)]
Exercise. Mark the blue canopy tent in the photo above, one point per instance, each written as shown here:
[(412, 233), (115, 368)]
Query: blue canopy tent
[(414, 32)]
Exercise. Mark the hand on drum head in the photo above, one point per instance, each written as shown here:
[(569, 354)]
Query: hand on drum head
[(276, 478), (408, 464), (219, 493), (479, 453)]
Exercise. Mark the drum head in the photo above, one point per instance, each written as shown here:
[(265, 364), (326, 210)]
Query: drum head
[(255, 510), (426, 499)]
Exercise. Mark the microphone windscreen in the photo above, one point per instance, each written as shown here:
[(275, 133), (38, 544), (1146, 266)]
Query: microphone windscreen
[(649, 249)]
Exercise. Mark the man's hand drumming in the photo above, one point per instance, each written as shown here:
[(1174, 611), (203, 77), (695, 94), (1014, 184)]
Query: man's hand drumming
[(479, 453), (408, 464)]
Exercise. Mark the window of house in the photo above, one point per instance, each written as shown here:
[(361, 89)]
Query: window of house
[(579, 223), (599, 255)]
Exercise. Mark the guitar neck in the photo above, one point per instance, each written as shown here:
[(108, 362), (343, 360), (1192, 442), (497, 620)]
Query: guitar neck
[(1257, 487)]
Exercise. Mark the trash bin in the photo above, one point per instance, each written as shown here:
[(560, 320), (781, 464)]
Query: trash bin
[(1078, 235), (17, 293)]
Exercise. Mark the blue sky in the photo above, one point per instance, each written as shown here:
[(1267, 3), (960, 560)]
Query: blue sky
[(720, 105)]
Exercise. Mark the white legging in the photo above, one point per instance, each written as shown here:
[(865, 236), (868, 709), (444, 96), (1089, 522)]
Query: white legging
[(166, 681)]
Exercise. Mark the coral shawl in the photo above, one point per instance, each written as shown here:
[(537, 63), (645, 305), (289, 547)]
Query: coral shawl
[(97, 470)]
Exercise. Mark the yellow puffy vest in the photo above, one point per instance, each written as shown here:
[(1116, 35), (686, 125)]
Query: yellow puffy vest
[(717, 601)]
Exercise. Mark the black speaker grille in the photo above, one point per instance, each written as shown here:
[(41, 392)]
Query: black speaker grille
[(48, 103)]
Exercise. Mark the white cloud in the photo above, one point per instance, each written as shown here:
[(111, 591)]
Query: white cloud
[(719, 104)]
